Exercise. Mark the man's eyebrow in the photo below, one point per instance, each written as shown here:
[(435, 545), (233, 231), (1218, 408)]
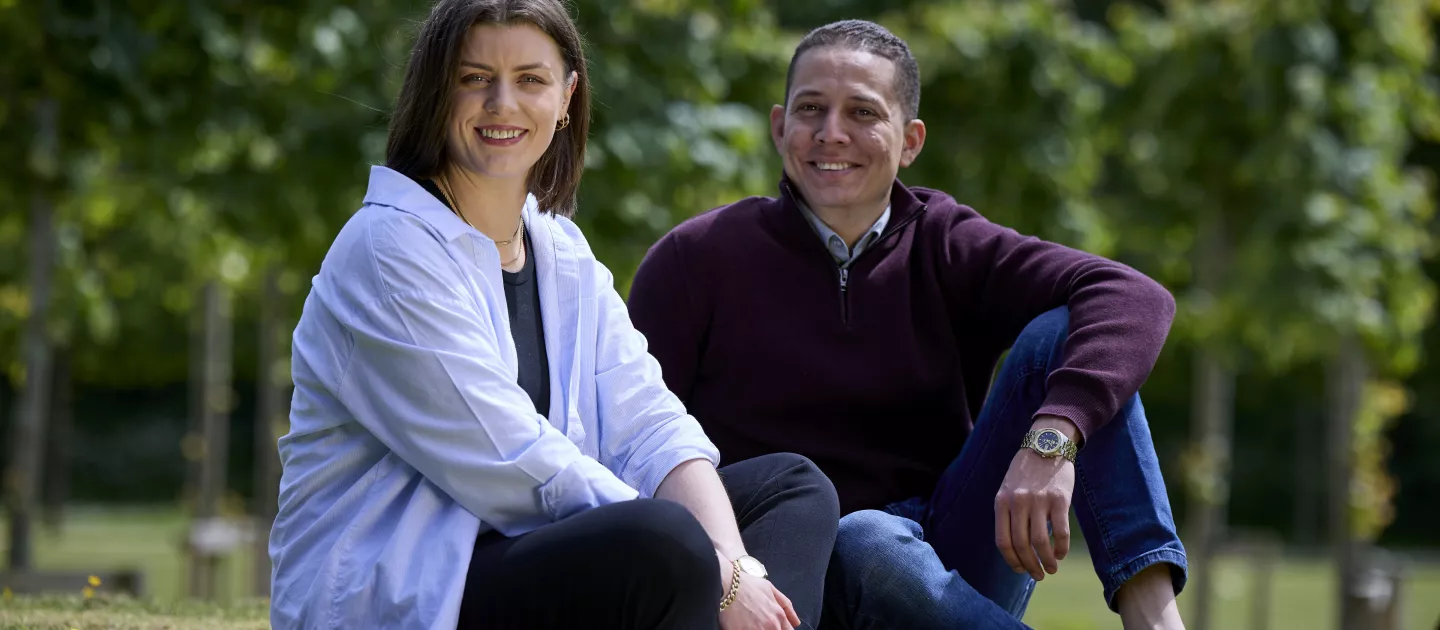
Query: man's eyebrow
[(866, 100), (538, 65)]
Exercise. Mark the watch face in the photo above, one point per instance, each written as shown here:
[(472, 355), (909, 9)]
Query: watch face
[(1048, 441), (752, 566)]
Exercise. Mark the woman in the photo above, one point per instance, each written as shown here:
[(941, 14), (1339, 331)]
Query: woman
[(478, 436)]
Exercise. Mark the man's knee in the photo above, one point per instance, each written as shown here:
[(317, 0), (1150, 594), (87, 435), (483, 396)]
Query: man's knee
[(882, 570), (1042, 341), (869, 539)]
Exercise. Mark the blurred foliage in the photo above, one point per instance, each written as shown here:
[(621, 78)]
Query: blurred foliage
[(216, 140)]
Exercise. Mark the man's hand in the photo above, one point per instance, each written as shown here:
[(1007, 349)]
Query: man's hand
[(1035, 494), (758, 606)]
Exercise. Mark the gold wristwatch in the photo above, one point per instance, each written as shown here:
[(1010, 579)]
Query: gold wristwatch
[(752, 567), (1049, 443)]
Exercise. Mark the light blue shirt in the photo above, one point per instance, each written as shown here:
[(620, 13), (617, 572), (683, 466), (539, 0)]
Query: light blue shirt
[(842, 253), (409, 434)]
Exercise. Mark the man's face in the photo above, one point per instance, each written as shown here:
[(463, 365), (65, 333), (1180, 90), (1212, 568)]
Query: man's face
[(843, 135)]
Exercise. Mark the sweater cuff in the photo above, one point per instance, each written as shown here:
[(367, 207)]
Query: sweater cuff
[(1078, 406)]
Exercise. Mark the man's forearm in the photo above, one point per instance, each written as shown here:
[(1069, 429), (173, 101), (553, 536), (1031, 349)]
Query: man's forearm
[(696, 485)]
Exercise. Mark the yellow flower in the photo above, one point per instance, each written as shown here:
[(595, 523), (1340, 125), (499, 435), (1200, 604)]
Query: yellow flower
[(6, 594), (87, 592), (94, 581)]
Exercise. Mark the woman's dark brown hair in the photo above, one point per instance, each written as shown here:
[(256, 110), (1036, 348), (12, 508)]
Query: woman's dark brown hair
[(422, 112)]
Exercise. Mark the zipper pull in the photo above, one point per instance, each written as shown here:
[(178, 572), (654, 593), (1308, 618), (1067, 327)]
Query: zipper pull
[(844, 278)]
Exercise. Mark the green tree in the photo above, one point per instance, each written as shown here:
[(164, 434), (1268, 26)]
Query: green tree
[(1291, 224), (682, 98)]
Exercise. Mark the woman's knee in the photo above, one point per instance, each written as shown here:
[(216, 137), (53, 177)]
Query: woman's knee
[(796, 476), (660, 539)]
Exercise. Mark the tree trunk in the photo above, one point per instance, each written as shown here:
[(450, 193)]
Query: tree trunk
[(272, 407), (192, 444), (215, 429), (1366, 584), (1212, 416), (1213, 412), (57, 453), (28, 441), (1305, 508)]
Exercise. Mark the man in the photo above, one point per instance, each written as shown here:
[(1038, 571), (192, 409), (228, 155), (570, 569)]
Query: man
[(858, 322)]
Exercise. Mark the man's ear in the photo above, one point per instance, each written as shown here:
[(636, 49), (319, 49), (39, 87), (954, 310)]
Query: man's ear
[(777, 127), (914, 141)]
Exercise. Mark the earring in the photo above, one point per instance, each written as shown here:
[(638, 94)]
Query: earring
[(564, 122)]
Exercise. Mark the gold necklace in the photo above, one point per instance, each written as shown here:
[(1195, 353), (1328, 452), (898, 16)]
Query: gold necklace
[(522, 250), (455, 207)]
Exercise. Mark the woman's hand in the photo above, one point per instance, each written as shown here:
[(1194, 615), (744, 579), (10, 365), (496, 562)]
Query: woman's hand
[(757, 606)]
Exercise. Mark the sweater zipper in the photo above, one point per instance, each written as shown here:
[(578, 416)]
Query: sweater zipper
[(845, 271)]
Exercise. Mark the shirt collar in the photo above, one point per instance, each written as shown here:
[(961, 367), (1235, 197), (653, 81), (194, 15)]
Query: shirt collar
[(832, 240), (392, 188)]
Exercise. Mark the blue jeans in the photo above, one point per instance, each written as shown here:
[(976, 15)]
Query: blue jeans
[(932, 562)]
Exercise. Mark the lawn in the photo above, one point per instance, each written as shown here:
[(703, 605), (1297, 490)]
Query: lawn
[(149, 540)]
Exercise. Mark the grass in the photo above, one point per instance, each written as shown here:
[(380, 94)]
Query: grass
[(149, 540), (70, 611)]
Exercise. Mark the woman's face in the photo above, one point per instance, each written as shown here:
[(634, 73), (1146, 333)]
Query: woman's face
[(510, 91)]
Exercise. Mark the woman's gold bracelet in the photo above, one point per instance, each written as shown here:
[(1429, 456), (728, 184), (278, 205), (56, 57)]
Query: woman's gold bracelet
[(734, 585)]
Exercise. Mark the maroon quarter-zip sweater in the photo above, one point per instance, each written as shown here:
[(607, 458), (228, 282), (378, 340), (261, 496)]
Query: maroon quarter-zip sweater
[(878, 379)]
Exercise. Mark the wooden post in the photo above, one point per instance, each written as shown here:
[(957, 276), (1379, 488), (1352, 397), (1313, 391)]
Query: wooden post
[(1373, 601), (28, 442), (1264, 557), (215, 428), (272, 407)]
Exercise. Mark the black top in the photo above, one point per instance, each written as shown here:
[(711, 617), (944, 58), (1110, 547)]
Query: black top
[(522, 300)]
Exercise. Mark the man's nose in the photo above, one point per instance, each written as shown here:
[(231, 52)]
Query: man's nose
[(832, 129)]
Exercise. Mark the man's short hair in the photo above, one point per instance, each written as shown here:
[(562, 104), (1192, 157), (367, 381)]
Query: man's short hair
[(872, 38)]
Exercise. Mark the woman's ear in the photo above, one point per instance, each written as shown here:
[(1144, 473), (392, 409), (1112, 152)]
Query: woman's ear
[(570, 83)]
